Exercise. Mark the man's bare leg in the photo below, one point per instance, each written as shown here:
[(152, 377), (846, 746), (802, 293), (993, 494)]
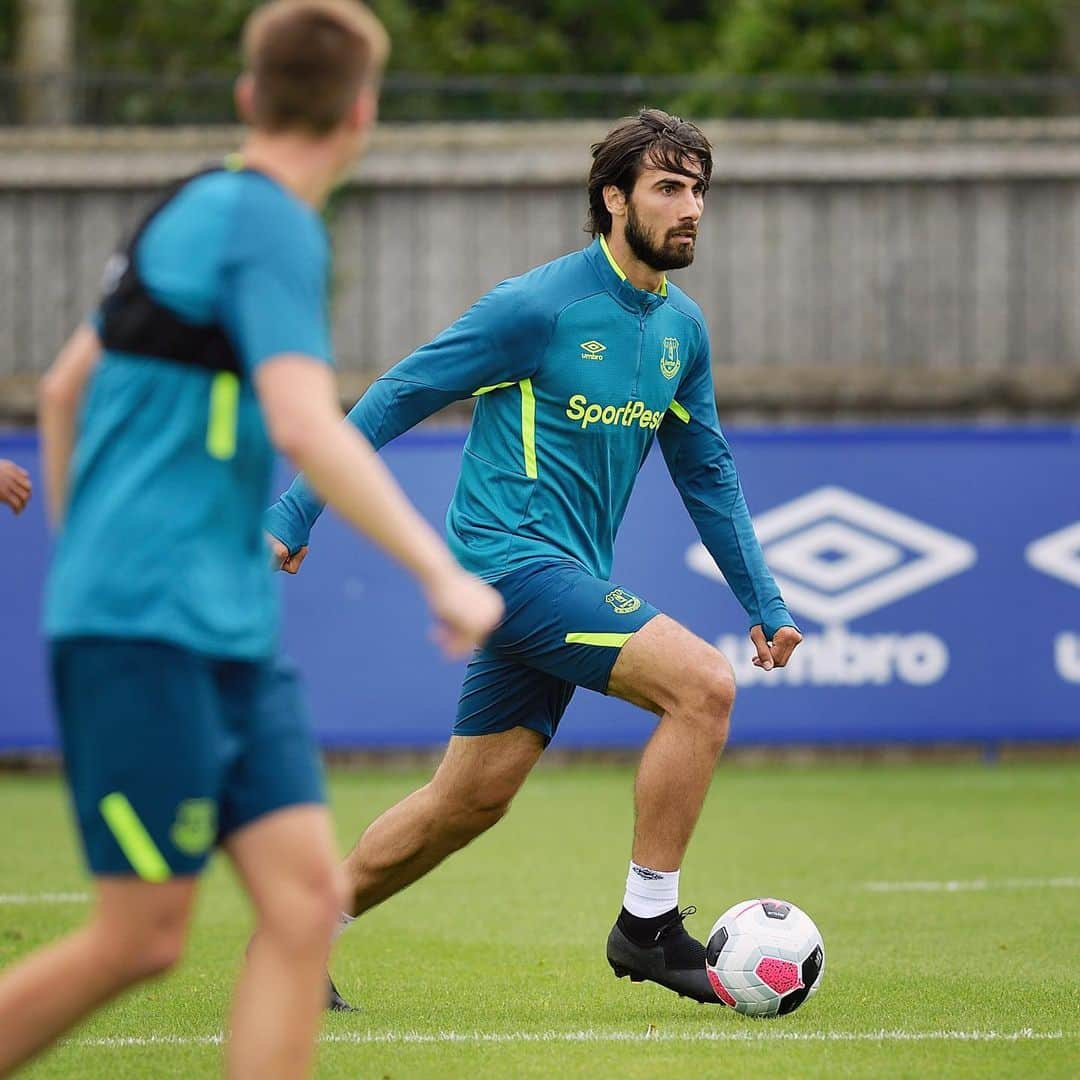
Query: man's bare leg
[(670, 671), (663, 668), (471, 790), (137, 930), (289, 866), (689, 685)]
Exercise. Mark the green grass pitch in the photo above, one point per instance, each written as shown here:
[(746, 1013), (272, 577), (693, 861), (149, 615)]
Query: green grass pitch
[(494, 965)]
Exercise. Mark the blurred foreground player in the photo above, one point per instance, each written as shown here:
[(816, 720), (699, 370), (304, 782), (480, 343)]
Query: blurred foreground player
[(577, 367), (180, 731)]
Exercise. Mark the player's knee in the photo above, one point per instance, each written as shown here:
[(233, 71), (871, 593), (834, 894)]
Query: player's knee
[(322, 898), (318, 903), (490, 811), (482, 809), (143, 953), (342, 891), (475, 804), (713, 696), (475, 809), (163, 953), (304, 908)]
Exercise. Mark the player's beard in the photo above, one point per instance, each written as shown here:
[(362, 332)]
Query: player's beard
[(668, 255)]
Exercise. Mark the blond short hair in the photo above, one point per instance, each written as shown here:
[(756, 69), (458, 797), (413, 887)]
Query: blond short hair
[(309, 59)]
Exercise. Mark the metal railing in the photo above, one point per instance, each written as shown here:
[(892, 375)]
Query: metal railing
[(116, 97)]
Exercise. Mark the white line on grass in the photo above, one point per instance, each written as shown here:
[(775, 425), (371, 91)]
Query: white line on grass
[(44, 898), (589, 1036), (976, 885)]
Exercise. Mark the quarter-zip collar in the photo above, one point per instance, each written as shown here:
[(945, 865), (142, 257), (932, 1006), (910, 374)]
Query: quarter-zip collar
[(639, 301)]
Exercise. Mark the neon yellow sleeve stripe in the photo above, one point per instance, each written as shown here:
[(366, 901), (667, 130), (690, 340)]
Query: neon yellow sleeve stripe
[(680, 412), (528, 427), (610, 641), (221, 425), (487, 389), (135, 842)]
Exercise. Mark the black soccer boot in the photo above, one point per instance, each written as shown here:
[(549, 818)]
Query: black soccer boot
[(670, 956), (334, 1001)]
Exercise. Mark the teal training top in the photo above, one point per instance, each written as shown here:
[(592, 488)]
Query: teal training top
[(575, 372), (162, 538)]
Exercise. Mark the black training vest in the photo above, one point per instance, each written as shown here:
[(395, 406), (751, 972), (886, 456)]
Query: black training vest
[(132, 321)]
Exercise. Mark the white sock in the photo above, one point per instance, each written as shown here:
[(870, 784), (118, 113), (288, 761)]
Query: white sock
[(650, 892), (343, 924)]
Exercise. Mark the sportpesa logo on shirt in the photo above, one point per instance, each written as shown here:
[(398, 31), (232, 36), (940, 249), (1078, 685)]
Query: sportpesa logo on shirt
[(579, 408)]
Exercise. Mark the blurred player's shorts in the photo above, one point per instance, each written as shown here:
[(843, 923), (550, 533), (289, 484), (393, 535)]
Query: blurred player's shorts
[(168, 752)]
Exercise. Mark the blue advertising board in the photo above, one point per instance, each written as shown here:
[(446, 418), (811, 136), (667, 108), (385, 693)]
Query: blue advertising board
[(935, 573)]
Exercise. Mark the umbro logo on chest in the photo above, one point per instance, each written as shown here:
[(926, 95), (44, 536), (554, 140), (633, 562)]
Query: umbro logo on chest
[(669, 355)]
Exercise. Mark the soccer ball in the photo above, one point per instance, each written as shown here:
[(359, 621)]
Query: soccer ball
[(764, 957)]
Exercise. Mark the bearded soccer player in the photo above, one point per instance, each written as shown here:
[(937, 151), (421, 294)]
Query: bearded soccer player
[(577, 367), (180, 731)]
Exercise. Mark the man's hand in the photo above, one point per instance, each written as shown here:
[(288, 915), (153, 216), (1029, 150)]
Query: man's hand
[(466, 610), (280, 559), (777, 652), (15, 486)]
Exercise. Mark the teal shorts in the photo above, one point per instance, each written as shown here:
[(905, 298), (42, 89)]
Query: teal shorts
[(168, 752), (563, 628)]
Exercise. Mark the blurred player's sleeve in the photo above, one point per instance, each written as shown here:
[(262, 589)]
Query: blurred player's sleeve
[(500, 339), (701, 464), (274, 282)]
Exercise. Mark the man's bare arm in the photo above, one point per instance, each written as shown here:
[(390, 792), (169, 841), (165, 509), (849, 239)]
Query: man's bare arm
[(60, 395), (299, 400)]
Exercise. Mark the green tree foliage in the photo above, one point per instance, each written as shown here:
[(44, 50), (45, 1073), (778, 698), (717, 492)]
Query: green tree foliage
[(8, 9), (488, 38), (471, 37), (190, 47), (452, 37), (170, 38), (431, 37), (895, 37), (179, 42)]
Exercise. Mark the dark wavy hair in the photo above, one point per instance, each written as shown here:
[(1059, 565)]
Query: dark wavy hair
[(653, 138)]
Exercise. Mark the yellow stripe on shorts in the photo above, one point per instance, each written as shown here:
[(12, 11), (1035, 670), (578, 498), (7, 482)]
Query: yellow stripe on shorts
[(607, 641), (135, 842)]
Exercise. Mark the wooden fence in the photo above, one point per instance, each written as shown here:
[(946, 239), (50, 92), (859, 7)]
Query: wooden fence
[(913, 251)]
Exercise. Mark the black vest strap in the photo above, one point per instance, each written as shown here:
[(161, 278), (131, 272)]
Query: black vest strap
[(134, 322)]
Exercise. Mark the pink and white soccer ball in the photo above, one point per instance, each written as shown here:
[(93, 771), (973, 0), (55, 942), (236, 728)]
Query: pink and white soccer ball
[(764, 957)]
